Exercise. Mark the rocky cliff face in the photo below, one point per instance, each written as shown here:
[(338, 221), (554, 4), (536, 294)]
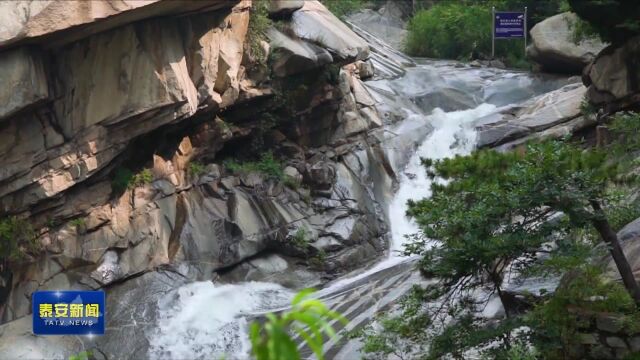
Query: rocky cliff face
[(613, 78), (130, 132)]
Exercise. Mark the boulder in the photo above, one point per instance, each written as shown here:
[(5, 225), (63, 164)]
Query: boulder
[(293, 174), (23, 80), (284, 8), (215, 48), (18, 342), (292, 56), (559, 131), (553, 46), (143, 71), (541, 113), (67, 21), (321, 175), (365, 69), (613, 77), (386, 60), (313, 22)]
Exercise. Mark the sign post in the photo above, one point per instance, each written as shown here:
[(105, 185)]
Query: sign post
[(493, 32), (508, 25)]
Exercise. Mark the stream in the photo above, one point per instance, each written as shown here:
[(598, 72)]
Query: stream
[(207, 320)]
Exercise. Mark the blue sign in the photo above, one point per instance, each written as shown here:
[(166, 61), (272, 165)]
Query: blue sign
[(68, 312), (509, 25)]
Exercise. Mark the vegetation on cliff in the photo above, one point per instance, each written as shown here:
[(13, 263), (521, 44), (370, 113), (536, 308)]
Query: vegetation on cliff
[(341, 8), (268, 165), (614, 20), (17, 239)]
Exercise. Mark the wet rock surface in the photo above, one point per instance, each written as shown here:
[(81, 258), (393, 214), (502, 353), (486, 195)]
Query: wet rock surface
[(539, 114)]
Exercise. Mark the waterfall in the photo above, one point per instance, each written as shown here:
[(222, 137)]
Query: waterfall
[(206, 320)]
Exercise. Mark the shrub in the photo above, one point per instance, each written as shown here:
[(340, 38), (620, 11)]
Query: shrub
[(341, 8), (125, 179), (586, 108), (319, 259), (267, 165), (121, 180), (83, 355), (301, 238), (555, 326), (196, 169), (79, 224), (450, 31), (143, 177), (462, 30), (614, 20), (17, 238), (259, 22)]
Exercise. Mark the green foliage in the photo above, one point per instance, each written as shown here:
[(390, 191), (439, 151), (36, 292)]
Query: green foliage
[(582, 30), (268, 165), (259, 22), (494, 214), (434, 331), (332, 74), (342, 8), (125, 179), (626, 126), (319, 259), (301, 238), (473, 213), (142, 178), (623, 212), (450, 30), (399, 335), (17, 238), (121, 180), (291, 182), (462, 29), (310, 319), (586, 108), (196, 169), (83, 355), (585, 291), (521, 351), (79, 224), (614, 20)]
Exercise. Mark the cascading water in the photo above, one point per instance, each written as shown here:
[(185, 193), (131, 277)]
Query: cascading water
[(205, 320)]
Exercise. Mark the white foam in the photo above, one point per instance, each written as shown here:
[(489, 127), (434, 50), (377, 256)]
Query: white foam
[(203, 320)]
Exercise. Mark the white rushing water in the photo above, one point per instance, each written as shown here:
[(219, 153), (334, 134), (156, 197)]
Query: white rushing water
[(206, 320), (452, 134), (202, 319)]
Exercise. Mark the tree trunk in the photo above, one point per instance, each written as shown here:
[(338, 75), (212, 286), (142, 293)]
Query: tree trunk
[(609, 236)]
